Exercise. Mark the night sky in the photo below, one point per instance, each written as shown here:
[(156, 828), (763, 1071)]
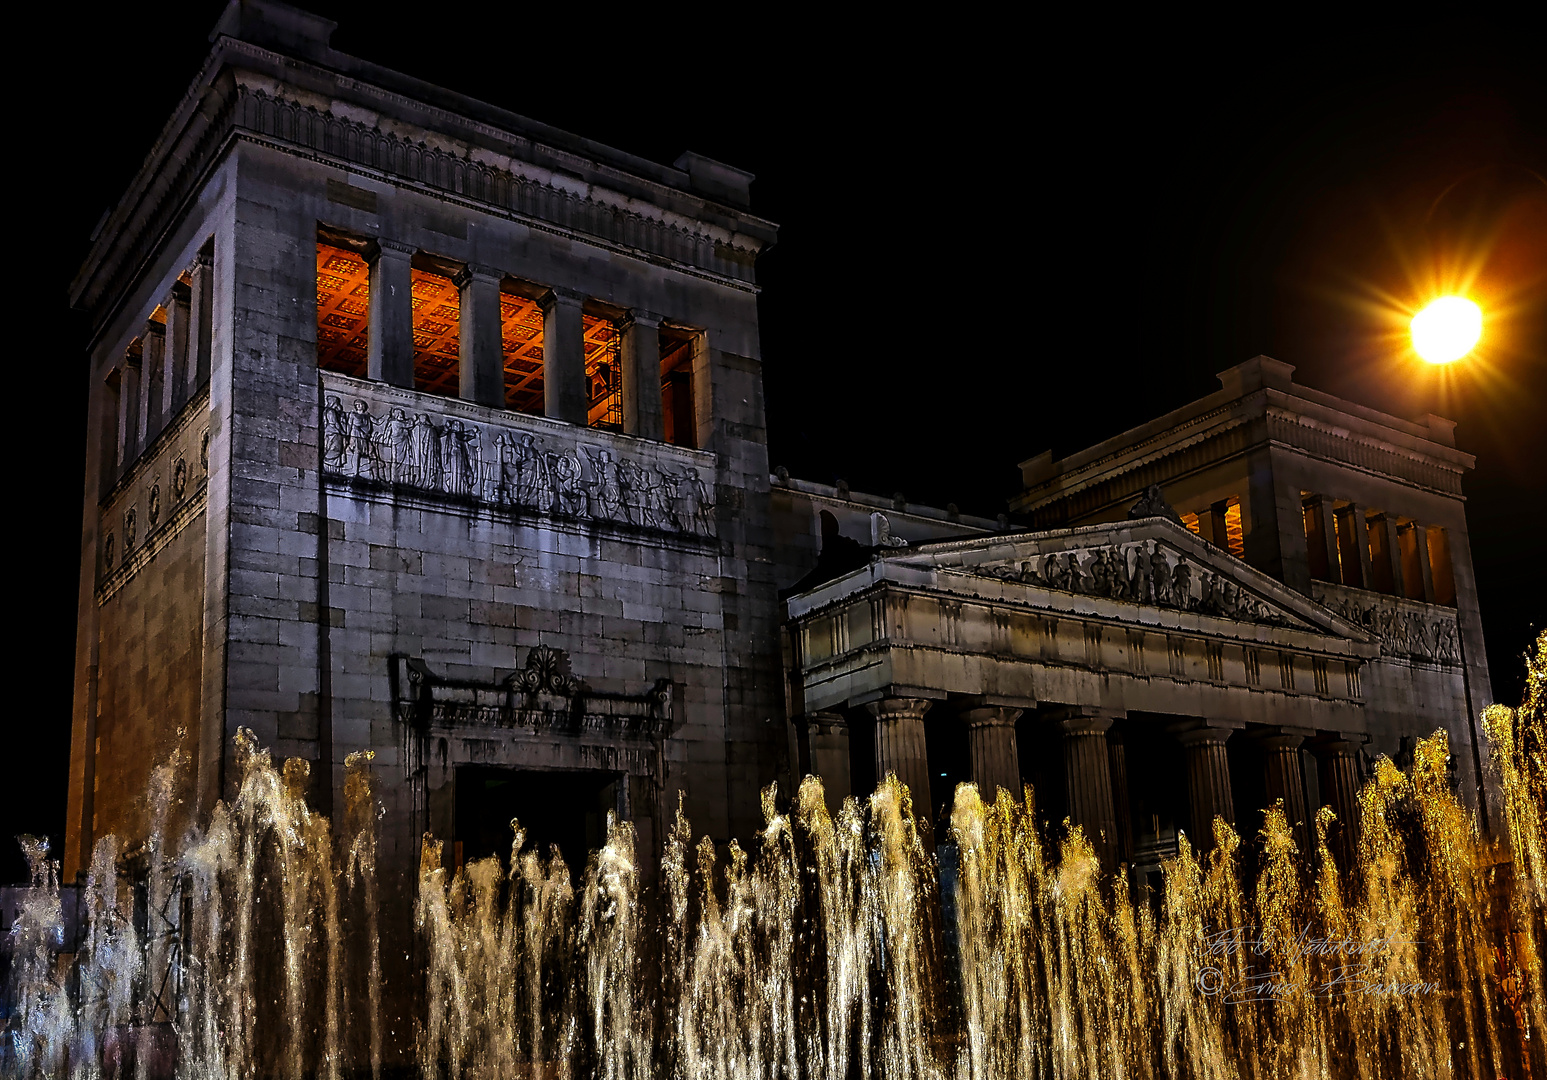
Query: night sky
[(994, 240)]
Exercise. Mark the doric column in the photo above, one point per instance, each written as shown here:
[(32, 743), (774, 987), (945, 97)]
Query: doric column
[(1285, 779), (641, 361), (174, 367), (991, 748), (1208, 781), (481, 360), (1088, 777), (1328, 539), (564, 382), (152, 370), (900, 749), (1338, 774), (390, 351), (1421, 543), (201, 316), (827, 740)]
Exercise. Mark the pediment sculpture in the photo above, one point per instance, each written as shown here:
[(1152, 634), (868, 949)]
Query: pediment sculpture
[(1144, 572)]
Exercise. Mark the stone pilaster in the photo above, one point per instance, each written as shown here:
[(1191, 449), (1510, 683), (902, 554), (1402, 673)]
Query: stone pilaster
[(481, 367), (991, 747), (827, 740), (390, 350), (152, 371), (1361, 524), (128, 409), (564, 382), (900, 749), (201, 295), (1338, 774), (1088, 777), (641, 362), (1208, 781), (174, 366), (1285, 779)]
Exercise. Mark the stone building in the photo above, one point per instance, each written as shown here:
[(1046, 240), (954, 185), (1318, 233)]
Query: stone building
[(421, 427)]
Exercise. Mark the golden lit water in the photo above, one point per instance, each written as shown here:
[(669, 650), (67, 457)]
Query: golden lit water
[(823, 951)]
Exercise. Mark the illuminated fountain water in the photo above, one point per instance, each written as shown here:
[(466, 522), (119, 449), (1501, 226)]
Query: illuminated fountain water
[(822, 952)]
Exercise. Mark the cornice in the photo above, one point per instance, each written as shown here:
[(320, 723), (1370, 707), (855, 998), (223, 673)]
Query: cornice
[(721, 246)]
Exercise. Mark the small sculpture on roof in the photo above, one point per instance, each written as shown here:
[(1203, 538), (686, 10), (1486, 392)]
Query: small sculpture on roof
[(1153, 504)]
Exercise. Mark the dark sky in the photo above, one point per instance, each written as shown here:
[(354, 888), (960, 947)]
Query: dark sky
[(995, 239)]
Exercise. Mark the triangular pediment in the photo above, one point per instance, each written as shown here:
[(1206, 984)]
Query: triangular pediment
[(1150, 563)]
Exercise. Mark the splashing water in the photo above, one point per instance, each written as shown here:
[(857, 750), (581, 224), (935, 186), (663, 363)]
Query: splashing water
[(253, 947)]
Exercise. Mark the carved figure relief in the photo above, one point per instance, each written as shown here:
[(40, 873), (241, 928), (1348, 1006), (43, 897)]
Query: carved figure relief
[(107, 551), (1146, 573), (204, 451), (179, 479), (452, 456), (129, 528), (1403, 631), (153, 505)]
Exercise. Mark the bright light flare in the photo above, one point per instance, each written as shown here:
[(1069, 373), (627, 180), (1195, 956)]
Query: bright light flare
[(1447, 329)]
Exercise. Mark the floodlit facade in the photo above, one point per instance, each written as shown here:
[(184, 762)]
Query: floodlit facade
[(422, 428)]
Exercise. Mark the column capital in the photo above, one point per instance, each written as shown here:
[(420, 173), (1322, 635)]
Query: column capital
[(471, 272), (1194, 732), (1075, 718), (641, 316), (1282, 737), (202, 260), (1336, 743), (557, 295), (385, 247), (153, 327), (899, 708), (827, 723), (990, 716)]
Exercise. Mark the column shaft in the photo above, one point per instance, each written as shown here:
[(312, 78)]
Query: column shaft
[(141, 405), (991, 747), (390, 351), (1208, 782), (827, 738), (1339, 778), (564, 381), (1088, 781), (128, 407), (1286, 781), (1117, 762), (643, 414), (481, 363), (900, 749)]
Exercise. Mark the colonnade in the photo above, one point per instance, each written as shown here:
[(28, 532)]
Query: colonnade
[(168, 364), (1351, 544), (390, 348), (1095, 768)]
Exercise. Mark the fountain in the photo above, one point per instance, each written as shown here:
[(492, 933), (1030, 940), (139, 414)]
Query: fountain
[(251, 947)]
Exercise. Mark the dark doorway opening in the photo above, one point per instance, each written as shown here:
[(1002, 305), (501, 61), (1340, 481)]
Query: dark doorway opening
[(567, 809), (945, 743)]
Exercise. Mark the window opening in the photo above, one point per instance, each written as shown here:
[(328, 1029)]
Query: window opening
[(604, 387), (1193, 526), (677, 349), (521, 338), (437, 305), (343, 297)]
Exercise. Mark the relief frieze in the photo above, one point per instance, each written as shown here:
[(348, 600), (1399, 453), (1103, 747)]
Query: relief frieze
[(1406, 629), (556, 470)]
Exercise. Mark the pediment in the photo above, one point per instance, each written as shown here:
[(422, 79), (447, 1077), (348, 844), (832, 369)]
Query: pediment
[(1153, 563)]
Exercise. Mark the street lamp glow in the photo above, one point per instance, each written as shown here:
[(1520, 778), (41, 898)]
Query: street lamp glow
[(1447, 329)]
